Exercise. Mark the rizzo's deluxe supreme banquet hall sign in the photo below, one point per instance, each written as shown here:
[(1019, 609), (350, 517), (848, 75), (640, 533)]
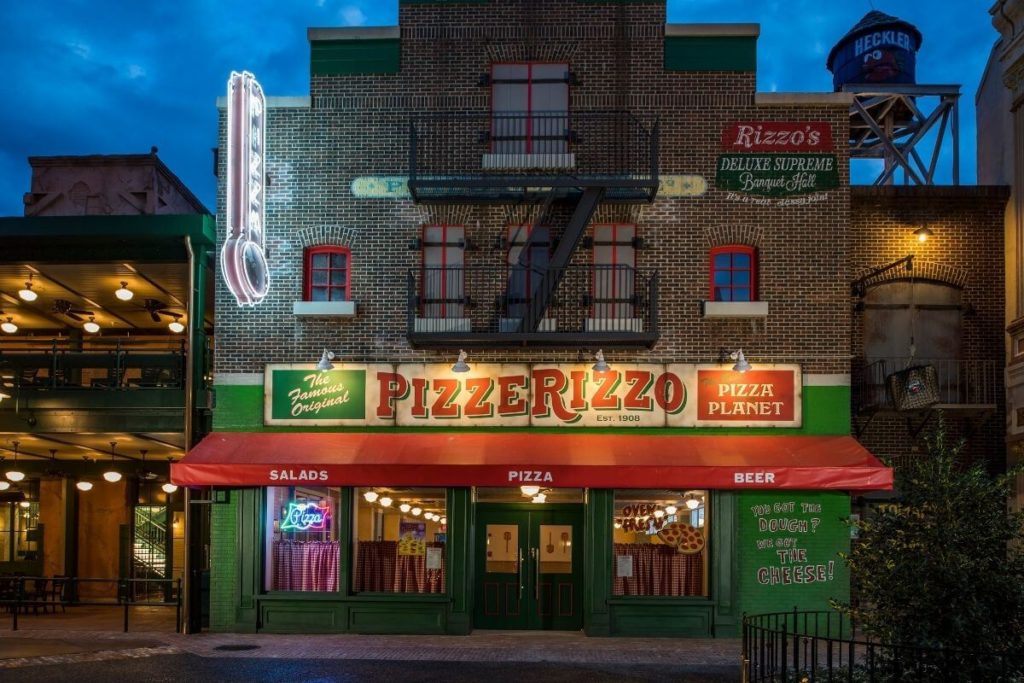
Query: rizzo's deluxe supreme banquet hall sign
[(520, 395)]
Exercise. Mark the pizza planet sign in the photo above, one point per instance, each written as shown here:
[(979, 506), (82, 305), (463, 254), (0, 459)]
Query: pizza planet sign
[(520, 395)]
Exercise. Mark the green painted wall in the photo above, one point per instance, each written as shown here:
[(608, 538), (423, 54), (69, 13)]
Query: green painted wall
[(223, 564), (339, 57), (826, 412), (711, 53), (809, 572)]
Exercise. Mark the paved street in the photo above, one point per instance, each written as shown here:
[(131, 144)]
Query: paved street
[(65, 648)]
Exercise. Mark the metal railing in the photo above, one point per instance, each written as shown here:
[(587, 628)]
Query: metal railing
[(467, 153), (22, 592), (818, 646), (119, 365), (594, 300), (960, 382)]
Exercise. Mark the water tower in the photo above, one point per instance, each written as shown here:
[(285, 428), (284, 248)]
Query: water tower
[(892, 114)]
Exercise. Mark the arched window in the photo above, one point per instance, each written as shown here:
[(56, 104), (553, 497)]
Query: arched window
[(327, 274), (733, 273)]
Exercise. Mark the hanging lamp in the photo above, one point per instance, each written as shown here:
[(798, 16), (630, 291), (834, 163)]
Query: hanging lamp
[(112, 475)]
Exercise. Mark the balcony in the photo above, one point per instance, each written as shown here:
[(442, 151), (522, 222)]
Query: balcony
[(497, 157), (98, 386), (609, 306), (964, 386)]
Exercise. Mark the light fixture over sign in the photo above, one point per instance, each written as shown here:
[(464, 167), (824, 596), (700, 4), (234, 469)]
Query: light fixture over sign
[(243, 258), (8, 326)]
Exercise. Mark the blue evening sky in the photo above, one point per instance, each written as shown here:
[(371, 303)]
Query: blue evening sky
[(105, 76)]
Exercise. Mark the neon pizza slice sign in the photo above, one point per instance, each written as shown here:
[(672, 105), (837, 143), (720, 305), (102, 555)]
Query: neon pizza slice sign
[(305, 517), (243, 258)]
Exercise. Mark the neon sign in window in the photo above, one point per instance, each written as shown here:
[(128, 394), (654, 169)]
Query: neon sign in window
[(305, 517)]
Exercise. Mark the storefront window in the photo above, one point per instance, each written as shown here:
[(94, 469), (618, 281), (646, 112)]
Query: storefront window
[(660, 543), (302, 552), (400, 536)]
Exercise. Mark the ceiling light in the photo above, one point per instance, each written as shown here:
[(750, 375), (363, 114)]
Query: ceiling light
[(124, 294), (530, 491), (692, 503), (8, 326), (385, 502), (27, 294), (444, 521), (617, 525), (92, 327), (416, 512), (659, 513), (923, 233), (175, 326), (741, 362), (3, 395), (112, 475), (325, 363), (460, 364), (84, 486), (540, 498), (371, 496), (4, 485), (601, 365), (14, 474), (24, 503), (169, 488), (405, 507), (671, 510)]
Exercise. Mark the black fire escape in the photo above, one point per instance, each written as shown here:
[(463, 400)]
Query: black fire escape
[(561, 166)]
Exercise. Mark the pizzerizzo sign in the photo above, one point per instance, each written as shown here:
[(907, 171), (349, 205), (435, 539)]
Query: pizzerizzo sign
[(519, 395)]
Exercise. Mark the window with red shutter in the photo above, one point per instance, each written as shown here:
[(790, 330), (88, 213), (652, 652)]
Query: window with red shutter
[(327, 274)]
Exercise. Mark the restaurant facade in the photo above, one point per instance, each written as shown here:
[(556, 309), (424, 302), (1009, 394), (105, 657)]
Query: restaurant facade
[(539, 316)]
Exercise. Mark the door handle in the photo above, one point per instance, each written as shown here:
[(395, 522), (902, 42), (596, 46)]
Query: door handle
[(519, 574), (536, 576)]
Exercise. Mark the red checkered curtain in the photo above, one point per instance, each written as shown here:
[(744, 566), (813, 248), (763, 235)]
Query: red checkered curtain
[(659, 570), (375, 566), (306, 565)]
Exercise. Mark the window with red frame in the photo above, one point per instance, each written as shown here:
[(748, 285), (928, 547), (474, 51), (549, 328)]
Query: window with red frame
[(734, 273), (530, 106), (327, 274)]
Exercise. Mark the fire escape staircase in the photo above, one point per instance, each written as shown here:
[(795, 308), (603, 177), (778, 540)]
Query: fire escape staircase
[(599, 157)]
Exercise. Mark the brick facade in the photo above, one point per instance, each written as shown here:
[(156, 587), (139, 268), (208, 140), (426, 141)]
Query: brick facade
[(357, 125)]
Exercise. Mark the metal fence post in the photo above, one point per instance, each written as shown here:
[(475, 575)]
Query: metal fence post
[(124, 592)]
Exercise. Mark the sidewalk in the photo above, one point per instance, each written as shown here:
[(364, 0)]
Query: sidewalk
[(62, 641)]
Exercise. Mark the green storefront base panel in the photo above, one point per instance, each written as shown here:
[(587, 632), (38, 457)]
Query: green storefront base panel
[(711, 53), (224, 567), (668, 620), (341, 57), (301, 617), (416, 619)]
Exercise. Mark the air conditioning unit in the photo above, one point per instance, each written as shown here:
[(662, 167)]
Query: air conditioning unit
[(914, 388)]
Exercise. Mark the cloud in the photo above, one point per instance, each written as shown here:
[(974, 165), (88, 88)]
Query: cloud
[(351, 15), (135, 71)]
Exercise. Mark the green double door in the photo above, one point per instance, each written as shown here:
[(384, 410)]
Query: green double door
[(529, 566)]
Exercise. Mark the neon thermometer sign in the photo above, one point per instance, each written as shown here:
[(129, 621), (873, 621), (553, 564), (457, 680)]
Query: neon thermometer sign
[(243, 259), (305, 517)]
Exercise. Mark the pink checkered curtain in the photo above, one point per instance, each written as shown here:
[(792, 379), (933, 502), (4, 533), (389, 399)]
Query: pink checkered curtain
[(375, 566), (659, 570), (306, 565)]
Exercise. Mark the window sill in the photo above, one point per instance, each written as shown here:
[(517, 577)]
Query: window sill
[(613, 325), (513, 325), (735, 309), (441, 325), (512, 161), (324, 309)]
